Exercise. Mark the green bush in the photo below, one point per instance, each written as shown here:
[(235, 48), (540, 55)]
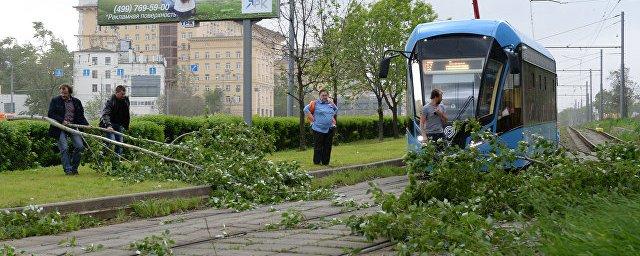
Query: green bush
[(31, 146), (42, 145), (15, 148), (146, 130)]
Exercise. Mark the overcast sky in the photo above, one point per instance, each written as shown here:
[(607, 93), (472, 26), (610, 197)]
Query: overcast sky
[(548, 19)]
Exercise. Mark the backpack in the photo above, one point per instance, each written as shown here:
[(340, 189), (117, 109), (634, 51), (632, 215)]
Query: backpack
[(312, 108)]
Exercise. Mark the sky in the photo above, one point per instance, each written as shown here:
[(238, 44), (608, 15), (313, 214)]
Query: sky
[(537, 19)]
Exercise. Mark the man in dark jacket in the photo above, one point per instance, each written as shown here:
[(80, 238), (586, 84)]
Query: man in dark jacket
[(66, 109), (115, 115)]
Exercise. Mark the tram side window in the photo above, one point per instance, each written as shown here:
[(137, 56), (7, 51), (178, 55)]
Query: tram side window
[(487, 95), (539, 95), (510, 115), (417, 88)]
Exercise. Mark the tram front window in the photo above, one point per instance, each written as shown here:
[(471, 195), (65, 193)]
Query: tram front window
[(459, 79), (454, 64)]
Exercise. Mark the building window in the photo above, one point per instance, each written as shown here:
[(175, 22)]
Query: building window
[(207, 55), (146, 36), (137, 37), (238, 65), (237, 88), (227, 66), (228, 88), (207, 66), (94, 61), (196, 55), (94, 73), (107, 88), (206, 77), (94, 88), (218, 66), (184, 35), (107, 74), (183, 57), (238, 54), (107, 60), (228, 54), (237, 99), (228, 99), (146, 47), (217, 55), (190, 34)]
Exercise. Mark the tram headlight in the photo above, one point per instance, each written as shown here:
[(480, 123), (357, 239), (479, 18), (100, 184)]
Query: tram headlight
[(474, 144), (420, 138)]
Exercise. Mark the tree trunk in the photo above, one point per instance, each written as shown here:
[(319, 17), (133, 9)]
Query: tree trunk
[(380, 120), (334, 80), (394, 122), (301, 125)]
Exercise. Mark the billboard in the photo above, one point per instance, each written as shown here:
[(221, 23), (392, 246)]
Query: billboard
[(123, 12)]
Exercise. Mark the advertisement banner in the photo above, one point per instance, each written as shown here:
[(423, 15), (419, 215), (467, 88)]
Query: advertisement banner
[(124, 12)]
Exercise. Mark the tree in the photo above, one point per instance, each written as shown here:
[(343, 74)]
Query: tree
[(182, 99), (368, 32), (612, 97), (305, 52), (214, 101)]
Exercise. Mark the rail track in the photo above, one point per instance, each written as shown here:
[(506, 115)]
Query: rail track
[(586, 140)]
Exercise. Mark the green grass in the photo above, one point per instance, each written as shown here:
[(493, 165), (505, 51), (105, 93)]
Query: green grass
[(605, 226), (366, 151), (354, 177), (47, 185), (164, 207), (625, 129)]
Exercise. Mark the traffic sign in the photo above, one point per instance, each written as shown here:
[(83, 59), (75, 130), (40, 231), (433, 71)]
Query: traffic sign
[(188, 23), (152, 71), (86, 72), (194, 68), (120, 72), (58, 72)]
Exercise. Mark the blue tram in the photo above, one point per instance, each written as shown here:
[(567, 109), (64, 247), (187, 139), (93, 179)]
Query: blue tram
[(488, 71)]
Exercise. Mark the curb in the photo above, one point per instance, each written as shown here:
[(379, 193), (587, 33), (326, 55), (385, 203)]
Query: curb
[(107, 207)]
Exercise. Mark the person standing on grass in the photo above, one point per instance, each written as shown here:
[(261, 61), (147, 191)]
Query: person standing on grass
[(321, 114), (115, 115), (66, 109), (433, 117)]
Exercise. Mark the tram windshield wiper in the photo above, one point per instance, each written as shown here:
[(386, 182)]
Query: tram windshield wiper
[(464, 108)]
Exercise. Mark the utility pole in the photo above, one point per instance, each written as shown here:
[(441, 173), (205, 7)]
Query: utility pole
[(623, 99), (247, 109), (13, 103), (587, 103), (476, 10), (590, 95), (601, 112), (292, 6)]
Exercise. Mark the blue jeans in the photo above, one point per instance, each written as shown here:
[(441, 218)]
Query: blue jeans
[(70, 165), (116, 137)]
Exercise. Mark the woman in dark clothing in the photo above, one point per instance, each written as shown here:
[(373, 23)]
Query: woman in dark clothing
[(66, 109), (116, 116)]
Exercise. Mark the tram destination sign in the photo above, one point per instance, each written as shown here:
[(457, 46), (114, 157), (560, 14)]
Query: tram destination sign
[(124, 12)]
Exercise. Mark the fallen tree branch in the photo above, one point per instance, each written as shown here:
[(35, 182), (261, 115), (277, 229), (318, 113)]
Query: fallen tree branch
[(182, 136), (117, 133), (129, 146)]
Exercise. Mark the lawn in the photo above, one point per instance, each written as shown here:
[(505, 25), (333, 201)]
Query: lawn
[(366, 151), (47, 185), (625, 129), (603, 226)]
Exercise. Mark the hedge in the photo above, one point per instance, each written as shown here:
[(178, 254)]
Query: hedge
[(26, 144)]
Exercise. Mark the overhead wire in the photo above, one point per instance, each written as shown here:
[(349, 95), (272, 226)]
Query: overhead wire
[(576, 28)]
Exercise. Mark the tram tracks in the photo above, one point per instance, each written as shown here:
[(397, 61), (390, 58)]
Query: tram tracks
[(586, 140)]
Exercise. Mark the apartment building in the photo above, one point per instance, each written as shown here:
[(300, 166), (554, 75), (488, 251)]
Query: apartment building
[(214, 47)]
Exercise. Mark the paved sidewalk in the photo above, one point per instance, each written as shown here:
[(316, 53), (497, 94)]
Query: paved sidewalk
[(226, 232)]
